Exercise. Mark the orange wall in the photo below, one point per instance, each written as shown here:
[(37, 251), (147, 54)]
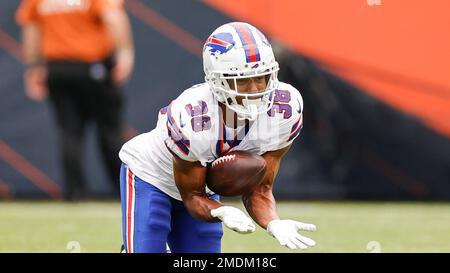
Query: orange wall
[(398, 52)]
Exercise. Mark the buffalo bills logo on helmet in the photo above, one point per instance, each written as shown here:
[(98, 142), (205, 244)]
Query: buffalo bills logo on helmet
[(220, 43)]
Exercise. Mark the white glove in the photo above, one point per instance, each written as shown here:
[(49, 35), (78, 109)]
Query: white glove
[(286, 232), (234, 219)]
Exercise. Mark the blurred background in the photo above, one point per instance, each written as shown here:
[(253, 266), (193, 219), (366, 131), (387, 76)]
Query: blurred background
[(373, 75)]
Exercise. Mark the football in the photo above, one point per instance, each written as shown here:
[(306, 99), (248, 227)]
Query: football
[(235, 173)]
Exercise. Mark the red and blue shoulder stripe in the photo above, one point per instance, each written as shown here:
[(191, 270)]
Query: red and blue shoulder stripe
[(175, 133), (296, 128)]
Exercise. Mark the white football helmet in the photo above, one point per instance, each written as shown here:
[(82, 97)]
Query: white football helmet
[(239, 50)]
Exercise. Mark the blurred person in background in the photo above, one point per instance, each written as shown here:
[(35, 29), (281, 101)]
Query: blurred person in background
[(78, 53)]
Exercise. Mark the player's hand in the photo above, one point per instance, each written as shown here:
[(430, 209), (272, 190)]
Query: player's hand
[(234, 219), (286, 232)]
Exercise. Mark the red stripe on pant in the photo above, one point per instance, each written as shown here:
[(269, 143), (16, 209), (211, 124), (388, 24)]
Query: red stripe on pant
[(130, 211)]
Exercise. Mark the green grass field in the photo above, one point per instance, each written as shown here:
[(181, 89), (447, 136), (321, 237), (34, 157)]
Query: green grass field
[(342, 227)]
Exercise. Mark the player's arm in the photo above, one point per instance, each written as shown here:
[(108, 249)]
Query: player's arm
[(190, 180), (261, 205)]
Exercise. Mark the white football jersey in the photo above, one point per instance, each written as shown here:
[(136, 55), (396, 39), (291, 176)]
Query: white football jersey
[(192, 127)]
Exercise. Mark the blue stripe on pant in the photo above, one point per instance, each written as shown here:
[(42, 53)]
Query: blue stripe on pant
[(157, 218)]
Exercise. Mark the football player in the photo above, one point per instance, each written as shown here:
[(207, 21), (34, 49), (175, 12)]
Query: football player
[(241, 106)]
